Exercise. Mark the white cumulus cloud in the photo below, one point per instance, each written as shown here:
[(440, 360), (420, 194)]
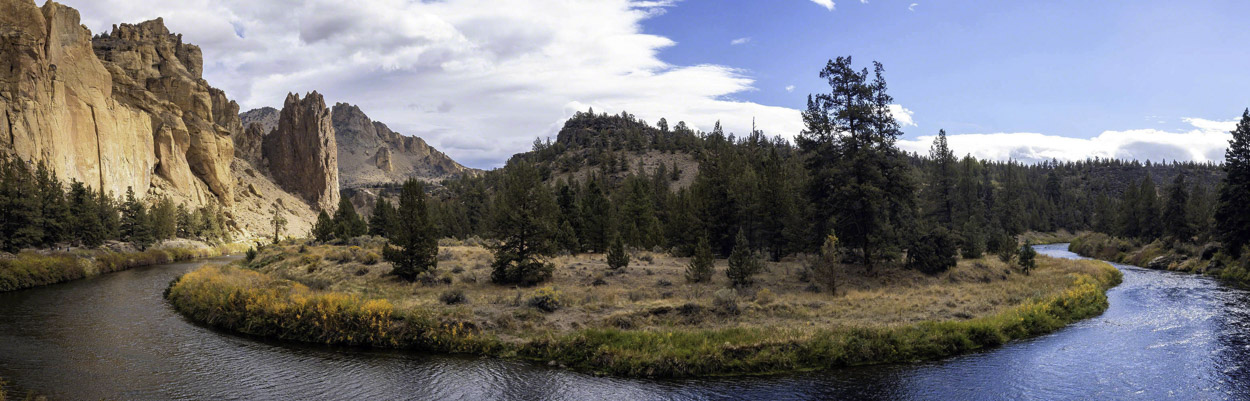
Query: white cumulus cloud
[(789, 88), (903, 115), (828, 4), (1205, 142), (476, 80), (739, 41)]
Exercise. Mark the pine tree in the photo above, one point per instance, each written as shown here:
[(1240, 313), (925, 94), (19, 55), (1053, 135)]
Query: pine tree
[(110, 219), (1148, 209), (324, 229), (702, 265), (348, 223), (1175, 217), (20, 213), (55, 210), (617, 257), (414, 233), (858, 177), (940, 192), (596, 215), (1232, 213), (1028, 257), (278, 221), (525, 225), (84, 217), (933, 252), (164, 219), (382, 222), (135, 225), (743, 265)]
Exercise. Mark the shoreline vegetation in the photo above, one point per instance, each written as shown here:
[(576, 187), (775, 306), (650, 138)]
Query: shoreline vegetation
[(1164, 255), (33, 268), (642, 320)]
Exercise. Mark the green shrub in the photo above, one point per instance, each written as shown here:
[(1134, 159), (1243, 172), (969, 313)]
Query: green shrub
[(725, 300), (547, 299), (933, 252), (453, 297), (617, 257), (702, 265), (743, 265)]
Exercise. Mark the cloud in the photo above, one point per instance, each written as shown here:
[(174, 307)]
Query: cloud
[(912, 7), (828, 4), (1205, 142), (475, 80), (902, 115), (789, 88), (739, 41)]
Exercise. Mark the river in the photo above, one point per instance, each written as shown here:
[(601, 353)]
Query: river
[(1166, 335)]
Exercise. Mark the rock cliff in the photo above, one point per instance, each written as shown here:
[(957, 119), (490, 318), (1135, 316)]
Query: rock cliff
[(370, 154), (58, 106), (301, 154)]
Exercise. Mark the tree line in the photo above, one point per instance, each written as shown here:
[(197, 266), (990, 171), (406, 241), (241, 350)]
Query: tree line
[(38, 210)]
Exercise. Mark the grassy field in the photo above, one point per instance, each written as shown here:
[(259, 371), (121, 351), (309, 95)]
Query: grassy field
[(31, 269), (644, 320)]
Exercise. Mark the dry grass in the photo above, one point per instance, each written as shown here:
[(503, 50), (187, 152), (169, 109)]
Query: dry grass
[(655, 295)]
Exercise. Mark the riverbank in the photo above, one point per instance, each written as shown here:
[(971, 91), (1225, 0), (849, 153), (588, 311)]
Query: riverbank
[(644, 320), (1160, 255), (35, 268)]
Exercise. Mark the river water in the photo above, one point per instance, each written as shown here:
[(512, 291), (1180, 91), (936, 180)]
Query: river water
[(1165, 336)]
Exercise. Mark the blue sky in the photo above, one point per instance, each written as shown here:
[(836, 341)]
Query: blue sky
[(1073, 69), (478, 80), (1067, 68)]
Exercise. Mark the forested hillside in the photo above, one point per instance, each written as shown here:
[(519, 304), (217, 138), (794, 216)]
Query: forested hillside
[(657, 186)]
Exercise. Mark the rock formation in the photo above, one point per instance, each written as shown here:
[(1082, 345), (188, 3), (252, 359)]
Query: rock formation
[(247, 145), (267, 117), (301, 154), (152, 70), (112, 110), (370, 154), (57, 102)]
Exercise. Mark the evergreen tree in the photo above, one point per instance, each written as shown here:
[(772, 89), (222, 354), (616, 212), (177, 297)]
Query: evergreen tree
[(617, 256), (382, 222), (702, 265), (596, 215), (1232, 212), (933, 252), (414, 233), (743, 265), (54, 215), (278, 221), (525, 226), (1175, 217), (324, 229), (858, 178), (941, 189), (84, 216), (347, 222), (164, 217), (20, 212), (1148, 209), (135, 225), (1028, 257), (110, 219)]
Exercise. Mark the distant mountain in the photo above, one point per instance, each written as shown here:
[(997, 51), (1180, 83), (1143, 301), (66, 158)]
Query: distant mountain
[(371, 154)]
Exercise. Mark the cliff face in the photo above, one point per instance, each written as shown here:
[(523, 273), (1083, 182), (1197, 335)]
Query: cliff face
[(369, 153), (57, 102), (300, 154), (112, 110), (152, 70)]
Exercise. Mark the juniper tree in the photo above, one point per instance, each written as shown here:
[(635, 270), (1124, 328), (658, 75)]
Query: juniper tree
[(743, 265), (1175, 220), (84, 216), (347, 222), (277, 220), (524, 223), (382, 221), (1232, 212), (323, 230), (617, 257), (702, 265), (414, 234)]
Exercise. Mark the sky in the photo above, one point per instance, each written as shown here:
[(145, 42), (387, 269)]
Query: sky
[(479, 80)]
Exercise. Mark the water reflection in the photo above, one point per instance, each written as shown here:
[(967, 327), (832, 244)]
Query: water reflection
[(1165, 335)]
